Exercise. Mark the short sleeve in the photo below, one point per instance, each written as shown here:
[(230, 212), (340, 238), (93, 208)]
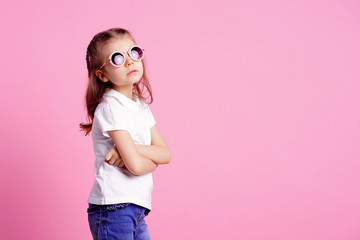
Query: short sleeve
[(150, 117), (111, 118)]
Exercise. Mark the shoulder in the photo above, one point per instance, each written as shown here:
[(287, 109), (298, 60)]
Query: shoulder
[(103, 104), (108, 104), (143, 104)]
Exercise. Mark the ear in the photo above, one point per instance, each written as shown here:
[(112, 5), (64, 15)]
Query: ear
[(100, 74)]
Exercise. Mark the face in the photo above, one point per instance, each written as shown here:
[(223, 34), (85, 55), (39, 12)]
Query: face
[(119, 76)]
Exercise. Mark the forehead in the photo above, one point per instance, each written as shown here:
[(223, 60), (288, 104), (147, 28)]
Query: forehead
[(122, 44)]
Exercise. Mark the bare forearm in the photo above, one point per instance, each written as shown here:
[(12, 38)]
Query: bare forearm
[(139, 164), (145, 165), (158, 154)]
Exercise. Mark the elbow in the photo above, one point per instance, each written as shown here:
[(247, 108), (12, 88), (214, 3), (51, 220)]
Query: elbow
[(138, 167), (168, 158), (133, 166), (135, 170)]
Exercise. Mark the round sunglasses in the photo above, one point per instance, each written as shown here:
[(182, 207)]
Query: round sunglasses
[(117, 58)]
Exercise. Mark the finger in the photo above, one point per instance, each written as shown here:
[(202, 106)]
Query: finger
[(116, 157), (115, 152), (122, 164), (108, 156), (112, 160), (117, 162)]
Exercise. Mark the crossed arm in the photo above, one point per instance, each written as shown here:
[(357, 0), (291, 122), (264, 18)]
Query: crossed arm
[(138, 159)]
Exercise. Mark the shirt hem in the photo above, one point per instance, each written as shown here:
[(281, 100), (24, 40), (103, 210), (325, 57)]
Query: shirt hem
[(106, 201)]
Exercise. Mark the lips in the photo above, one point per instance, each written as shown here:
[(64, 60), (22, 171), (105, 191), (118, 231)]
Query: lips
[(133, 71)]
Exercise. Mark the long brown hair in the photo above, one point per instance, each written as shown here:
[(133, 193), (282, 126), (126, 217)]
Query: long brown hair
[(96, 88)]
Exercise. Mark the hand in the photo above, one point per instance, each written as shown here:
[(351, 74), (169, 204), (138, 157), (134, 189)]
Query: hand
[(113, 158)]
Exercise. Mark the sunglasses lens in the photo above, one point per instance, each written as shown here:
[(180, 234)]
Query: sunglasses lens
[(117, 59), (136, 53)]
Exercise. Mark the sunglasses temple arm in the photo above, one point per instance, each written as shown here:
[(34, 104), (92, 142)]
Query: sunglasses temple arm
[(104, 64)]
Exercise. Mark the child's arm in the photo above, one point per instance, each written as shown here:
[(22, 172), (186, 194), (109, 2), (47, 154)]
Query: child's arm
[(113, 158), (136, 163), (158, 151)]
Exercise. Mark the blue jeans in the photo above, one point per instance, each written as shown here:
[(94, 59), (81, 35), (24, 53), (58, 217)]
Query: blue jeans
[(121, 221)]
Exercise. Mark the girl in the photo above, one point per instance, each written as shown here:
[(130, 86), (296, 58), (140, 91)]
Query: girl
[(127, 144)]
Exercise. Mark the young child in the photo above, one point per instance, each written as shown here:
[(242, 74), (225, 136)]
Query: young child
[(127, 144)]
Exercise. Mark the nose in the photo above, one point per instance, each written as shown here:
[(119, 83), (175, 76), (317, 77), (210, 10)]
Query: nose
[(129, 60)]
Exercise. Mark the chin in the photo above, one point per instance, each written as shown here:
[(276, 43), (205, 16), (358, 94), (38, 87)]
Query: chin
[(137, 80)]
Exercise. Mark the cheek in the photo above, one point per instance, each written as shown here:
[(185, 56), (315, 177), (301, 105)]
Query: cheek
[(121, 71), (117, 75), (141, 69), (139, 64)]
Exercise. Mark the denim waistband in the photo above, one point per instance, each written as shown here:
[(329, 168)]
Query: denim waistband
[(117, 206)]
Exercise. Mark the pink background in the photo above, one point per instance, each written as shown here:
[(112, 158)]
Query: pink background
[(258, 100)]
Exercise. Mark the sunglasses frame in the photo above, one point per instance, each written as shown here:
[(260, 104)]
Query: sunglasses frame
[(123, 53)]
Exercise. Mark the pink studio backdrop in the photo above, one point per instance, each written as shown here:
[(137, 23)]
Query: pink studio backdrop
[(258, 100)]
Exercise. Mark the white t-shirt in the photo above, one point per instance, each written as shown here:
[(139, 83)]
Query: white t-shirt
[(113, 184)]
